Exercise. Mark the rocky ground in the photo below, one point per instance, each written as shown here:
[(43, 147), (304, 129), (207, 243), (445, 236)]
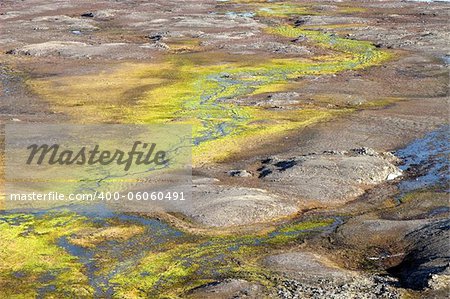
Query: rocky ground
[(339, 190)]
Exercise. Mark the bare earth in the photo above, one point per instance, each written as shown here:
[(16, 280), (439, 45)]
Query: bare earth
[(389, 241)]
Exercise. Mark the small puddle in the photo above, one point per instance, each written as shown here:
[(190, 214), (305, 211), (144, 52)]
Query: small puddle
[(446, 59), (240, 14), (427, 159)]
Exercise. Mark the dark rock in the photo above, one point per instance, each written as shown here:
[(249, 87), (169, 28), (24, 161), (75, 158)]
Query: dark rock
[(428, 255), (364, 151), (266, 161), (299, 22), (264, 171), (239, 173), (283, 165), (155, 38), (88, 15)]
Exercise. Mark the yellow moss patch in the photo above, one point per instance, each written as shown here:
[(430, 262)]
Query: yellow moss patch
[(197, 92), (93, 237), (258, 133), (98, 97)]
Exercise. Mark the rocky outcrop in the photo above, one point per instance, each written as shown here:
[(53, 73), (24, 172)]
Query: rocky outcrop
[(306, 266), (309, 275), (218, 206), (331, 177), (229, 288), (360, 287), (427, 263)]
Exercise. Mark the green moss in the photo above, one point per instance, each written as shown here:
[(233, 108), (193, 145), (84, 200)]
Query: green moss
[(166, 270), (92, 237), (184, 90), (423, 196), (29, 254), (173, 272), (362, 53)]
